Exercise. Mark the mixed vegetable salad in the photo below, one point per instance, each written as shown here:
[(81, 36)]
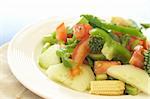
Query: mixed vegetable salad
[(104, 58)]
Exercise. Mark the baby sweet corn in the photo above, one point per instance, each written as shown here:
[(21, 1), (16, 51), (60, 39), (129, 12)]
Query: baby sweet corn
[(107, 87)]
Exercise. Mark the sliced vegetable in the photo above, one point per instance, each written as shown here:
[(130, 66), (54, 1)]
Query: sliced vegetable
[(102, 66), (95, 21), (101, 76), (134, 41), (49, 57), (130, 90), (122, 22), (137, 58), (61, 33), (111, 48), (81, 51), (146, 44), (81, 82), (131, 75), (45, 47), (97, 57), (81, 30)]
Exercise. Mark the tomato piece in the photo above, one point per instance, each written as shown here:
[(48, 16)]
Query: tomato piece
[(74, 71), (61, 33), (146, 44), (87, 28), (69, 36), (102, 66), (81, 30), (137, 58), (131, 43), (81, 51)]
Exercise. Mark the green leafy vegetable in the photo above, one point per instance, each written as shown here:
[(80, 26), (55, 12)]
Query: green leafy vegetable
[(69, 30), (83, 20), (95, 21), (147, 61), (64, 55), (111, 48), (73, 44), (51, 38)]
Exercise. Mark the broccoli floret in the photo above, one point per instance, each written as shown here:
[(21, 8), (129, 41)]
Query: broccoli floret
[(147, 61), (111, 49), (96, 44)]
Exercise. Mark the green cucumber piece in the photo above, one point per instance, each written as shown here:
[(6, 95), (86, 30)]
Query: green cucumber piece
[(49, 57)]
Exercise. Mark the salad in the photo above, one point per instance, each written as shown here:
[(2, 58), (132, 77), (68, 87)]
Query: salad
[(101, 57)]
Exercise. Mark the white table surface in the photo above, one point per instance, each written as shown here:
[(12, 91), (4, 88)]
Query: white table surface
[(15, 14)]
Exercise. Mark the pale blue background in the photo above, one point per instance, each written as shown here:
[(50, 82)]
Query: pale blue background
[(15, 14)]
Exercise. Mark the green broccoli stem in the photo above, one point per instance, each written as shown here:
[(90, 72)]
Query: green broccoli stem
[(131, 90), (97, 57), (111, 48), (125, 40), (51, 38), (125, 30), (146, 25), (90, 62), (96, 22)]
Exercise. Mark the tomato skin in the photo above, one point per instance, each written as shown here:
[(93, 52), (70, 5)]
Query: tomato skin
[(81, 30), (137, 58), (61, 33), (87, 28), (102, 66), (146, 44), (81, 51)]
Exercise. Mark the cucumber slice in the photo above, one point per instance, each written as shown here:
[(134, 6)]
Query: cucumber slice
[(81, 82), (131, 75), (49, 57), (58, 72)]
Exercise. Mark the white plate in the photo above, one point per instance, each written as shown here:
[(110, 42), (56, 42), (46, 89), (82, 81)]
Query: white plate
[(22, 57)]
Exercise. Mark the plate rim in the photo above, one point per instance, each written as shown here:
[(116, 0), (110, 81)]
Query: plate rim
[(9, 59)]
